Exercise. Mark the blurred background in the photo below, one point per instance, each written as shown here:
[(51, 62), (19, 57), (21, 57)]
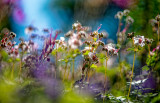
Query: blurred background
[(16, 15)]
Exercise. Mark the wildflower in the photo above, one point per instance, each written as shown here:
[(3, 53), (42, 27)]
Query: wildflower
[(129, 20), (95, 44), (61, 42), (158, 17), (119, 15), (139, 40), (30, 29), (12, 35), (86, 28), (87, 42), (77, 26), (82, 34), (110, 48), (93, 57), (45, 30), (74, 42), (148, 41), (126, 12), (14, 52), (69, 33), (100, 35), (23, 46), (105, 34), (86, 49), (100, 43), (94, 34)]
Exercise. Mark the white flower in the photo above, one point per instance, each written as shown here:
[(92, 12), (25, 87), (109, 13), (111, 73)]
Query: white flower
[(139, 40), (126, 12), (77, 26), (61, 43), (88, 48), (82, 34), (62, 39), (129, 20), (119, 15), (110, 47), (74, 42)]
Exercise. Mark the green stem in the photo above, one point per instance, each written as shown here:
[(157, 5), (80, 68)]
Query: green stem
[(65, 71), (149, 50), (12, 72), (131, 75), (119, 29), (158, 31), (73, 70), (20, 68), (105, 73)]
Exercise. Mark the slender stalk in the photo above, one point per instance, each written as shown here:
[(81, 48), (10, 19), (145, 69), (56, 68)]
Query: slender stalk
[(88, 73), (65, 71), (105, 72), (56, 62), (158, 31), (69, 71), (20, 68), (56, 56), (20, 65), (149, 50), (119, 29), (131, 75), (105, 76), (88, 76), (12, 72), (73, 69)]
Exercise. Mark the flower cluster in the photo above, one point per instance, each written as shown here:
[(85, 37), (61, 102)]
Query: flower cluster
[(75, 39), (139, 40), (128, 21), (110, 49)]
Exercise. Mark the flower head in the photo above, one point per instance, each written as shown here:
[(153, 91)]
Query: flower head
[(77, 26), (158, 17), (129, 20), (110, 48), (126, 12), (139, 40), (74, 42), (119, 15), (148, 41)]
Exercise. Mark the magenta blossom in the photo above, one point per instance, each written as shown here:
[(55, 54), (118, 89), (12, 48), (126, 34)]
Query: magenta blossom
[(18, 15), (123, 3)]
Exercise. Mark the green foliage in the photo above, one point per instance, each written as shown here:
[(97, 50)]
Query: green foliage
[(72, 97), (145, 68), (151, 60), (4, 55), (93, 66)]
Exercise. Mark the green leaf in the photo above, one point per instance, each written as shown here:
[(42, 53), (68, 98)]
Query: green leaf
[(95, 39), (130, 49), (4, 55), (94, 66), (145, 68), (86, 53)]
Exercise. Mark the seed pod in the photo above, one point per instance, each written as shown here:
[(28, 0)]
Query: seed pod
[(100, 35), (87, 42), (100, 43), (130, 35), (148, 41), (13, 35)]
